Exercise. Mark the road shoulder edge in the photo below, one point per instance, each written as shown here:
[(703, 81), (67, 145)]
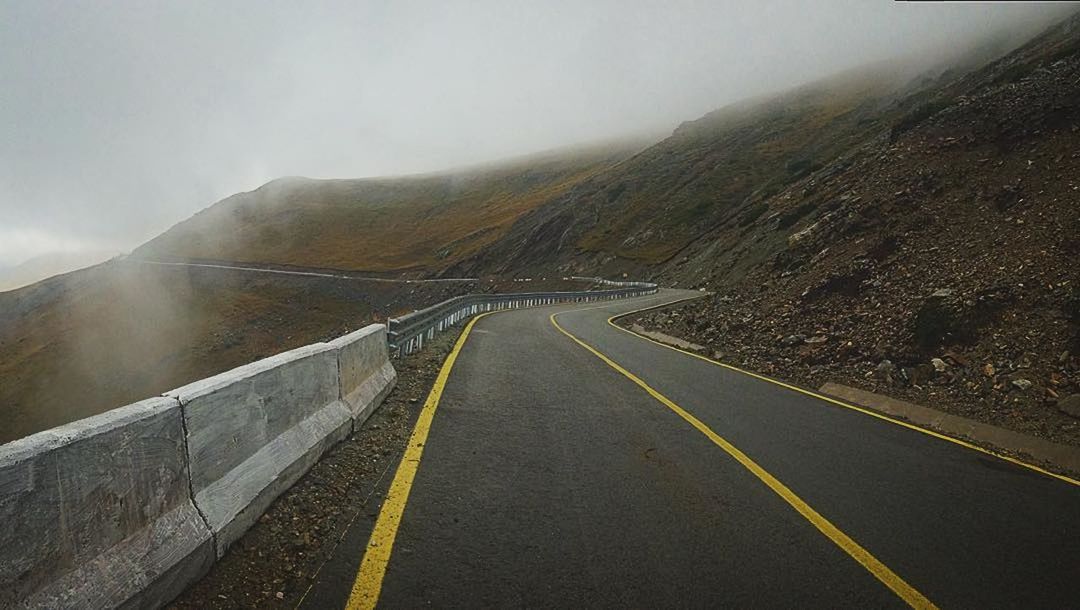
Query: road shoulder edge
[(834, 401), (1060, 456)]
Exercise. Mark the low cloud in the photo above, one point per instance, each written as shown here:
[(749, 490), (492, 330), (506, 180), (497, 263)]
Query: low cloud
[(16, 243)]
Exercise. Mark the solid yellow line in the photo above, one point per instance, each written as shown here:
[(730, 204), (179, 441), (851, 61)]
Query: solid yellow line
[(836, 402), (369, 578), (880, 571)]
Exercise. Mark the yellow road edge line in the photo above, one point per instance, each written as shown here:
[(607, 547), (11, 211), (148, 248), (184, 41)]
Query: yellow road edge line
[(837, 402), (879, 570), (369, 578)]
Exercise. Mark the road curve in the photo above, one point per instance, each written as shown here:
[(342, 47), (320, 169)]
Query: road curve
[(571, 463)]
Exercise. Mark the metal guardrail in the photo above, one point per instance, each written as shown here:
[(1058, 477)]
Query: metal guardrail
[(600, 280), (408, 333)]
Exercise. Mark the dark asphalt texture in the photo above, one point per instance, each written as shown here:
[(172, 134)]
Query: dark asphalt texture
[(551, 480)]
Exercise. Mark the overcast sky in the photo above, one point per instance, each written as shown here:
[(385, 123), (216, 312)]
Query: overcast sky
[(118, 121)]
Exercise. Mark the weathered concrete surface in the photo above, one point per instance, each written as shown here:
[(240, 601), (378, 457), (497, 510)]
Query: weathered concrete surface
[(365, 370), (254, 430), (98, 514), (1062, 456)]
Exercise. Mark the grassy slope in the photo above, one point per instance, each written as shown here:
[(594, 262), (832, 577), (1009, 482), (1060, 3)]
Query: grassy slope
[(383, 225), (726, 161), (607, 202), (712, 175), (604, 210)]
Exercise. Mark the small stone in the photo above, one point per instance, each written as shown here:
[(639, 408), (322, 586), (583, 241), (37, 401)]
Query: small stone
[(1064, 357), (1021, 384), (817, 339), (942, 293), (939, 365), (791, 340), (279, 595), (801, 236), (989, 370), (1070, 405), (885, 369)]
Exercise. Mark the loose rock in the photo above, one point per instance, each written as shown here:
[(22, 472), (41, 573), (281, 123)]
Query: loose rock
[(884, 370), (1021, 384), (1070, 405)]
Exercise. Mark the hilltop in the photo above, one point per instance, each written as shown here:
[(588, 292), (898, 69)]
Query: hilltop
[(404, 224)]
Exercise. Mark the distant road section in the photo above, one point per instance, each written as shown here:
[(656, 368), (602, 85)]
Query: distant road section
[(309, 273)]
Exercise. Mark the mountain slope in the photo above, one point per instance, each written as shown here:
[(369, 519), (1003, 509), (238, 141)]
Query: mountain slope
[(604, 209), (937, 261), (412, 223), (645, 210)]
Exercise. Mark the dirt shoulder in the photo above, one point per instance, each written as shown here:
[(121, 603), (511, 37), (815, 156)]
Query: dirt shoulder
[(276, 561)]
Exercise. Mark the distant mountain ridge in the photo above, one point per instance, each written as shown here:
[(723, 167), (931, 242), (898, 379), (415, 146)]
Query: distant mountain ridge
[(398, 224)]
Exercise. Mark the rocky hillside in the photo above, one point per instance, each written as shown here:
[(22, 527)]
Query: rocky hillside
[(939, 261)]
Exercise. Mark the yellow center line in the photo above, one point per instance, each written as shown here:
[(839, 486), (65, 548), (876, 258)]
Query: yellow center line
[(368, 585), (878, 569)]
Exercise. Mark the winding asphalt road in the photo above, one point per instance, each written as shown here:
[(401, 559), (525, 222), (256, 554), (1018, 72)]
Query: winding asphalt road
[(589, 467)]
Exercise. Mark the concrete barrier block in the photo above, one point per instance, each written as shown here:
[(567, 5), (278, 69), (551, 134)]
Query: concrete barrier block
[(98, 513), (253, 431), (365, 370)]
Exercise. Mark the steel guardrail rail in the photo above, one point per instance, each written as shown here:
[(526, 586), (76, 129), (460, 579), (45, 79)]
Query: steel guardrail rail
[(408, 333)]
